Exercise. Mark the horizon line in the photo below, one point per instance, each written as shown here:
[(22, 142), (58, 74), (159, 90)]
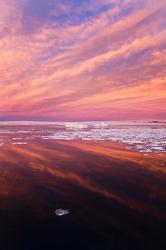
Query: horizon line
[(65, 121)]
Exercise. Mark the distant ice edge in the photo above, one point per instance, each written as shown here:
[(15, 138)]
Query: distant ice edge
[(144, 136)]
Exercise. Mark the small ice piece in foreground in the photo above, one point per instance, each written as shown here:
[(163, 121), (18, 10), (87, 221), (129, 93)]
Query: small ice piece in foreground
[(61, 212)]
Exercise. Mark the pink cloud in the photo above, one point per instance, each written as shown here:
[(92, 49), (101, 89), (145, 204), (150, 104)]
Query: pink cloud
[(109, 66)]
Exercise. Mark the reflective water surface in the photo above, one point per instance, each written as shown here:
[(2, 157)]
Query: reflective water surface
[(116, 196)]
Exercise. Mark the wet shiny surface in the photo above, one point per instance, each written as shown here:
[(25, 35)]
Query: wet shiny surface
[(116, 197)]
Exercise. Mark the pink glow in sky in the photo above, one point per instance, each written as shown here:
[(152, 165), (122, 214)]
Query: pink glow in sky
[(82, 60)]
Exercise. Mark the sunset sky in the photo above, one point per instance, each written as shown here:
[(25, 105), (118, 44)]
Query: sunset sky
[(82, 59)]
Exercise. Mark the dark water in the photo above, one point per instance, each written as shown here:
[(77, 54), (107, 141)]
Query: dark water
[(116, 198)]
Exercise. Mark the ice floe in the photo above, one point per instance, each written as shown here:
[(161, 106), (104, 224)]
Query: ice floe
[(143, 136)]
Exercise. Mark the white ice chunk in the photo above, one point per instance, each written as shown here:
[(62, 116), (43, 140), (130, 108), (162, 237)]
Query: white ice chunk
[(61, 212)]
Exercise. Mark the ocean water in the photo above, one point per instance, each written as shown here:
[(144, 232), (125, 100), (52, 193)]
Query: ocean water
[(86, 185)]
